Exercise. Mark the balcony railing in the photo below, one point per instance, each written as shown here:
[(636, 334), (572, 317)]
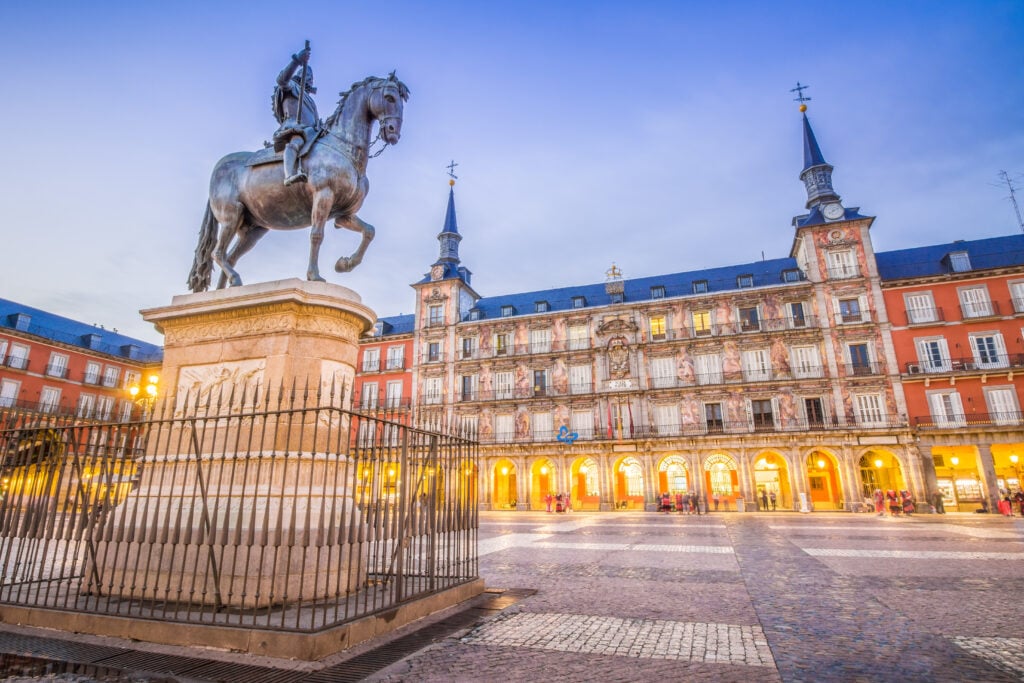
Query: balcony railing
[(924, 316), (17, 362), (58, 371), (92, 378), (428, 357), (969, 419), (959, 365), (843, 272), (395, 364), (741, 377), (979, 309), (863, 368), (371, 365)]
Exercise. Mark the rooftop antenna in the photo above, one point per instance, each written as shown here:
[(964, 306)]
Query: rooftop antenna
[(1013, 197)]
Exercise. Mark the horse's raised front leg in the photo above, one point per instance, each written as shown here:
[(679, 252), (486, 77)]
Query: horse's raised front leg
[(355, 224), (248, 236), (322, 201), (229, 227)]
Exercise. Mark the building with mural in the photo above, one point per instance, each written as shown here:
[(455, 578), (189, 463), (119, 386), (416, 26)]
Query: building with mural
[(52, 364), (799, 378)]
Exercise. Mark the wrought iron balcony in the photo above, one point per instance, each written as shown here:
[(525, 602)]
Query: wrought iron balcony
[(969, 419), (924, 316)]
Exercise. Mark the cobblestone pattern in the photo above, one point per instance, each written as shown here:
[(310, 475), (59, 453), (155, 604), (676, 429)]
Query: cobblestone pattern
[(1004, 653)]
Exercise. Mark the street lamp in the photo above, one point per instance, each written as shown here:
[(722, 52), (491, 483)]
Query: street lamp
[(954, 461), (878, 466), (145, 395), (1016, 470)]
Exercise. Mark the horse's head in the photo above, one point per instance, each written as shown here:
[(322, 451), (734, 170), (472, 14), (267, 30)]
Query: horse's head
[(387, 98)]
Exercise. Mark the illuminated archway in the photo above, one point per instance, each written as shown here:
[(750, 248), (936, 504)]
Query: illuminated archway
[(629, 484), (880, 469), (673, 475), (542, 483), (586, 485), (504, 485), (721, 479), (771, 476), (824, 483)]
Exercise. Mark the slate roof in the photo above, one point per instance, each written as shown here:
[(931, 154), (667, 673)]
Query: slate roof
[(984, 254), (398, 324), (816, 218), (83, 335), (765, 273), (812, 153)]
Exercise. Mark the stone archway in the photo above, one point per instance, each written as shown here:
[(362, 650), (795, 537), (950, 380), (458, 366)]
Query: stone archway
[(824, 481), (586, 484), (674, 476), (542, 483), (628, 483), (504, 485), (721, 479), (880, 469), (771, 476)]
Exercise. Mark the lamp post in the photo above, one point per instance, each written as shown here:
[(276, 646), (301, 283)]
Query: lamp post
[(954, 461), (1014, 458), (145, 394), (878, 466)]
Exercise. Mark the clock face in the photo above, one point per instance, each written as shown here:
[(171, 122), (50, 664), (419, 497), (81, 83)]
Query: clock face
[(436, 272), (833, 211)]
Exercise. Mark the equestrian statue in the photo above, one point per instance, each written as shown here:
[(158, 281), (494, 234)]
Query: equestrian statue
[(323, 176)]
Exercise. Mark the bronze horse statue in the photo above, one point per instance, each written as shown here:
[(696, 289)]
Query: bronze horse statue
[(248, 198)]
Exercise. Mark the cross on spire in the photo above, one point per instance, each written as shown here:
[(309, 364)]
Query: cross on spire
[(451, 170), (799, 90)]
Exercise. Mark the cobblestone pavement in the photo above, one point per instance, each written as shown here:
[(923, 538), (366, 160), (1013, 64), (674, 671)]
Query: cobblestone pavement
[(741, 597)]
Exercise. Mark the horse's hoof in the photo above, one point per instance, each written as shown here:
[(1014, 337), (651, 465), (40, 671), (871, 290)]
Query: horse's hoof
[(344, 265), (315, 278)]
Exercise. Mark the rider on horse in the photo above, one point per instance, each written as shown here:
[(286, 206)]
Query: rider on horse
[(295, 110)]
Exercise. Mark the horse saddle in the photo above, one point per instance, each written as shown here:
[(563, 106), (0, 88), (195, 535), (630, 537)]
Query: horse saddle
[(267, 155)]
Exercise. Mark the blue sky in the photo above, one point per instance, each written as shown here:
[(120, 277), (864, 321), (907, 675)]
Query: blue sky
[(658, 135)]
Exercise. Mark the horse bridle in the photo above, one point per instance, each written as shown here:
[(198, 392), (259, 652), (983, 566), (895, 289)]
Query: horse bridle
[(380, 104)]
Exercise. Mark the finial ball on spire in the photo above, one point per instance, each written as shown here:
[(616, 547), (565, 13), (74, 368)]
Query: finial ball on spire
[(803, 108), (451, 182)]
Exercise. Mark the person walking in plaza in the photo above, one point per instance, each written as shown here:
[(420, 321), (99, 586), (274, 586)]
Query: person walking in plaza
[(715, 498), (764, 500), (938, 504), (879, 502), (695, 502), (1019, 497), (772, 497)]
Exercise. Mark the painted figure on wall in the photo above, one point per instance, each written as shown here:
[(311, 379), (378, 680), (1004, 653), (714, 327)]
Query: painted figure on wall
[(685, 370), (736, 410), (522, 424), (521, 339), (689, 414), (558, 335), (486, 334), (486, 426), (787, 408), (772, 311), (560, 378), (486, 383), (524, 388), (562, 417), (723, 318), (780, 359), (732, 366)]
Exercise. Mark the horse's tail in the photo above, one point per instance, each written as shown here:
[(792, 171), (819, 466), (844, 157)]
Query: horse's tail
[(202, 266)]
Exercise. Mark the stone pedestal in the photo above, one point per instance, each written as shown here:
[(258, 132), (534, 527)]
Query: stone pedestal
[(237, 505)]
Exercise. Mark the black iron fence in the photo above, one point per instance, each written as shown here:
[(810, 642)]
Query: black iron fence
[(241, 509)]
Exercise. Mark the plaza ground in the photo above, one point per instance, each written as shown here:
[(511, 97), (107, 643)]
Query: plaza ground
[(643, 596)]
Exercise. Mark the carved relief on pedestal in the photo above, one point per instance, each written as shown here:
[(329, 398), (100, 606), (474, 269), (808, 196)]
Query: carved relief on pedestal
[(269, 319), (218, 382)]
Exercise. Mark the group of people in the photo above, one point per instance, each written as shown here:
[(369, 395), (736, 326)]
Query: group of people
[(561, 502), (683, 503), (893, 502), (1007, 502)]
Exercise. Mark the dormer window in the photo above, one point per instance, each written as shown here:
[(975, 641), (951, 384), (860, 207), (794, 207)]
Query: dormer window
[(541, 307), (508, 311), (579, 302), (745, 281), (959, 261), (378, 328), (791, 275), (658, 292), (700, 286), (474, 314)]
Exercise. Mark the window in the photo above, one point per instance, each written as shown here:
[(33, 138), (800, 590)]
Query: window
[(791, 275), (579, 302), (468, 386), (974, 302), (543, 427), (110, 375), (700, 286), (850, 310), (18, 359), (663, 372), (762, 413), (503, 384), (701, 323), (504, 428), (713, 417), (8, 393), (435, 315), (947, 409), (657, 324), (1002, 405), (371, 360), (394, 394), (579, 379), (814, 411), (368, 398), (92, 373), (86, 405), (126, 411), (3, 350), (132, 378), (757, 365), (959, 261), (806, 363), (501, 344), (540, 382), (396, 357), (468, 347), (796, 314), (869, 410), (378, 328), (540, 341), (842, 264), (989, 350), (541, 307), (432, 390), (709, 368), (508, 311), (749, 319), (860, 359), (658, 292), (933, 354), (578, 338), (920, 308), (666, 419), (583, 423), (104, 407), (474, 314), (58, 365), (433, 352), (1016, 296), (745, 281)]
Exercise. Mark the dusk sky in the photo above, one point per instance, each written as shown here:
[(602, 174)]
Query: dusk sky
[(662, 136)]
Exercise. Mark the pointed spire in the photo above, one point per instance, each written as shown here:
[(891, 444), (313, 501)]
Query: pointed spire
[(450, 224), (812, 153), (817, 173), (449, 236)]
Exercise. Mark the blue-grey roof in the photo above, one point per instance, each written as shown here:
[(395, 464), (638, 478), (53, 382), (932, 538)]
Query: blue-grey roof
[(398, 324), (765, 273), (812, 153), (993, 252), (450, 224), (15, 316), (816, 218)]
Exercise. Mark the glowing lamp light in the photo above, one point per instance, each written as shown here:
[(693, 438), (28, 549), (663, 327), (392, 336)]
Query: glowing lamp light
[(878, 463), (504, 471), (955, 460), (1014, 458), (544, 470), (821, 464)]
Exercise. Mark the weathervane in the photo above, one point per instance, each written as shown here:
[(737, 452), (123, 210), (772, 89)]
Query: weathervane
[(451, 170), (799, 90)]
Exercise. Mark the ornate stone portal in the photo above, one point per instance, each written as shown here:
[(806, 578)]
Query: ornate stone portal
[(261, 336)]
